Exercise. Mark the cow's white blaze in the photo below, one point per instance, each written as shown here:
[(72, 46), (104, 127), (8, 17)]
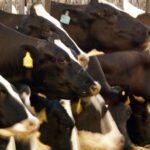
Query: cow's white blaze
[(15, 95), (74, 136), (66, 49), (40, 11)]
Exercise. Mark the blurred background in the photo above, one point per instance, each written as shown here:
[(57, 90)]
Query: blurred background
[(19, 4)]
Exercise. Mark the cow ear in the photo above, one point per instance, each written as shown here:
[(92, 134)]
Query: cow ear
[(32, 11), (25, 93), (29, 56)]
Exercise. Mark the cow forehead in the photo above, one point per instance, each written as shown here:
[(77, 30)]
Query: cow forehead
[(66, 49), (40, 11)]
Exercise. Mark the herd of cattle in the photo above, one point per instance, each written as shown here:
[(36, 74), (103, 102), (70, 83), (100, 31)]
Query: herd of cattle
[(57, 94)]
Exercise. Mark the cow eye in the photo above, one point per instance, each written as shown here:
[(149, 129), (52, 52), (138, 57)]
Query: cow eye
[(62, 61), (2, 93)]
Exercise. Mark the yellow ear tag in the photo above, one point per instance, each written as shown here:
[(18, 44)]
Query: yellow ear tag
[(123, 93), (79, 107), (127, 102), (76, 107), (42, 116), (27, 60)]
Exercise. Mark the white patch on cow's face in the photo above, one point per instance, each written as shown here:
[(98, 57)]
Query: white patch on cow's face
[(74, 136), (97, 102), (66, 49), (9, 88), (40, 11)]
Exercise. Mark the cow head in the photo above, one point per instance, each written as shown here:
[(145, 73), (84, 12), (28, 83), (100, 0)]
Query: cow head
[(57, 123), (40, 24), (138, 123), (15, 118), (124, 112), (56, 70), (106, 27)]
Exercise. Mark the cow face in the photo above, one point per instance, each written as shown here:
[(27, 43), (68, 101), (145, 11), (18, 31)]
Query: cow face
[(59, 72), (8, 107), (46, 26), (59, 126), (106, 27), (138, 123), (13, 111), (121, 120)]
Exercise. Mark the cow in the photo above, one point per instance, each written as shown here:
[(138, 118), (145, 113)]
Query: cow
[(89, 24), (39, 27), (27, 24), (131, 69), (48, 67), (112, 93), (96, 127), (20, 123), (128, 69), (139, 122), (57, 123)]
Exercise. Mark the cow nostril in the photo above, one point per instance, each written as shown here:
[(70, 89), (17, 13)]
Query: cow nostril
[(95, 89), (32, 124)]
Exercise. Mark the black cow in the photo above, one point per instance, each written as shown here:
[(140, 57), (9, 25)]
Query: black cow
[(57, 127), (37, 26), (128, 69), (131, 69), (101, 26), (139, 122), (54, 68), (97, 128), (12, 122)]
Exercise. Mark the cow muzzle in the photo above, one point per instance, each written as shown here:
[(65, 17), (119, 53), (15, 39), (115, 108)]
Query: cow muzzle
[(26, 126), (22, 129), (95, 88)]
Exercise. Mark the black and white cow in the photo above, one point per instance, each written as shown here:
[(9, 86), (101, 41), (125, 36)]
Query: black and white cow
[(15, 119), (52, 69)]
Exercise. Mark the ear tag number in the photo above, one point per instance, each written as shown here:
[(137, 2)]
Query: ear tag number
[(65, 18), (27, 60)]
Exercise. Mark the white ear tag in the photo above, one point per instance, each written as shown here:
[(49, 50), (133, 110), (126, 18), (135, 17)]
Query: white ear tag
[(65, 18)]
